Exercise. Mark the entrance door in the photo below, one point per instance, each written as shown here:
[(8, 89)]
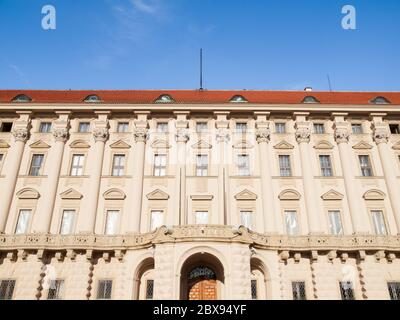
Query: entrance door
[(202, 284)]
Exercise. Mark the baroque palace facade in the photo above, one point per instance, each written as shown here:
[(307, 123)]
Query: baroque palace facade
[(199, 195)]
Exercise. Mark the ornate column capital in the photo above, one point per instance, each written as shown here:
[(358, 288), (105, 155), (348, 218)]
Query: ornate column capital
[(380, 133), (61, 134), (303, 132), (140, 135), (21, 134), (223, 135), (342, 133), (263, 135), (182, 135), (101, 134)]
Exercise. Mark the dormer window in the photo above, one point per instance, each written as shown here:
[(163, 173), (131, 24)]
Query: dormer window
[(380, 100), (238, 99), (22, 98), (165, 98), (92, 98), (310, 99)]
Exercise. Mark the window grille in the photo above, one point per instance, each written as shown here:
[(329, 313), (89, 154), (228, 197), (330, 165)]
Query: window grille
[(104, 290), (149, 289), (346, 290), (7, 289), (254, 289), (55, 290), (299, 290), (394, 290)]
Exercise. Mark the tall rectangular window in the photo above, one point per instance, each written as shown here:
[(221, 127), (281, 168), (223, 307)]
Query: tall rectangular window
[(84, 127), (356, 128), (319, 128), (346, 290), (202, 165), (36, 165), (77, 165), (45, 127), (201, 127), (241, 127), (394, 128), (280, 127), (6, 127), (243, 163), (201, 217), (379, 222), (253, 289), (7, 289), (149, 289), (123, 127), (112, 222), (335, 222), (160, 165), (104, 290), (291, 222), (365, 164), (394, 290), (157, 219), (118, 165), (246, 219), (284, 166), (299, 290), (68, 222), (326, 166), (162, 127), (56, 290), (1, 159), (24, 220)]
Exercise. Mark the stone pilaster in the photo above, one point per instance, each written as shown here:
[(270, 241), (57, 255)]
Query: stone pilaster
[(140, 135), (303, 134), (342, 135), (100, 135), (240, 272), (60, 132), (21, 135), (182, 137), (164, 272), (222, 137), (270, 213), (381, 136)]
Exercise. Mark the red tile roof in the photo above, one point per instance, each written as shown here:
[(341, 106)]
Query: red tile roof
[(198, 97)]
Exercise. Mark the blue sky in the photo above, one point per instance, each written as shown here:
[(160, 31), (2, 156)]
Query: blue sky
[(154, 44)]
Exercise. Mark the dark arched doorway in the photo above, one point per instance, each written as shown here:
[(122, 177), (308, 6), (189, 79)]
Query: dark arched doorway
[(202, 278)]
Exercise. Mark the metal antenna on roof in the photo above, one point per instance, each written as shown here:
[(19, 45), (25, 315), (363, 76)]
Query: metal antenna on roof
[(329, 83), (201, 69)]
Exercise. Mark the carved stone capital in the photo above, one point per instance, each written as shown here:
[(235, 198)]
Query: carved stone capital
[(342, 132), (60, 134), (263, 135), (381, 133), (223, 135), (140, 135), (182, 136), (100, 134), (303, 132), (21, 134)]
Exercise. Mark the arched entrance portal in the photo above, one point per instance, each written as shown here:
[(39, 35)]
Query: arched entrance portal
[(202, 278), (202, 284)]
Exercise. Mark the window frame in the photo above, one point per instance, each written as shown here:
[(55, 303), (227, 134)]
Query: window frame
[(330, 156), (160, 123), (342, 288), (3, 157), (45, 123), (117, 223), (397, 290), (241, 130), (279, 155), (73, 224), (202, 167), (41, 168), (319, 125), (113, 168), (246, 173), (72, 164), (2, 126), (201, 132), (163, 214), (155, 167), (125, 125), (359, 125), (283, 125), (385, 222), (201, 211), (98, 289), (297, 215), (359, 155), (78, 129), (57, 291), (251, 214), (293, 282), (340, 215), (8, 297), (29, 224)]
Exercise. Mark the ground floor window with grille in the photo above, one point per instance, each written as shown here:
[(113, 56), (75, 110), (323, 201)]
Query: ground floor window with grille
[(346, 290), (149, 289), (7, 289), (104, 290), (56, 290), (394, 290), (253, 289), (299, 290)]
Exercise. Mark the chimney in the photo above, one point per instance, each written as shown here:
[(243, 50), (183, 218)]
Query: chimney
[(308, 89)]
